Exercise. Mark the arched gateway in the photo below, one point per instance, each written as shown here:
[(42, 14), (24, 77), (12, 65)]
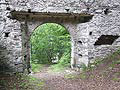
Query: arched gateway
[(29, 21)]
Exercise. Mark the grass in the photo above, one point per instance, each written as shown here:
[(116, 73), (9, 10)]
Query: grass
[(83, 76), (53, 67), (37, 67), (70, 76), (57, 68), (116, 79)]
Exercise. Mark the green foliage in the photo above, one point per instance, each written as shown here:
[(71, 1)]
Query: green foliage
[(70, 76), (57, 68), (116, 79), (49, 41), (63, 62), (83, 76), (65, 59), (36, 67)]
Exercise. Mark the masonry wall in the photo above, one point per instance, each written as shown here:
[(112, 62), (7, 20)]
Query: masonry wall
[(10, 41), (90, 32), (105, 21), (102, 23)]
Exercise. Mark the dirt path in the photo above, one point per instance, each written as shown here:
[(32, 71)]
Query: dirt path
[(94, 81), (57, 80)]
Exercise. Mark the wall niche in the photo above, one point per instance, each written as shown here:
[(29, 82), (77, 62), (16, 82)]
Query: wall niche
[(106, 40)]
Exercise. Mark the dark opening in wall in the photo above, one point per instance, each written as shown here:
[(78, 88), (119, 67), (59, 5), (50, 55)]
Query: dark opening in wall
[(7, 34), (106, 40), (25, 57), (15, 36), (8, 8), (29, 10), (67, 9), (106, 11), (85, 19), (90, 33), (11, 17), (80, 55), (25, 44), (79, 42)]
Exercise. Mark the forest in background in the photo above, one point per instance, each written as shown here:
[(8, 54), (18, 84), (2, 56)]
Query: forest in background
[(50, 43)]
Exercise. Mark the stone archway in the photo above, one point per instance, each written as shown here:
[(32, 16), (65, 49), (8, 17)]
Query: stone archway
[(28, 26), (30, 20)]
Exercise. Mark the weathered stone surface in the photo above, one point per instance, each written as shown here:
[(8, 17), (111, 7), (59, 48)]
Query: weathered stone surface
[(19, 18)]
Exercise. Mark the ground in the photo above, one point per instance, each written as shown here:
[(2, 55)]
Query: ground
[(71, 80), (105, 75), (56, 80)]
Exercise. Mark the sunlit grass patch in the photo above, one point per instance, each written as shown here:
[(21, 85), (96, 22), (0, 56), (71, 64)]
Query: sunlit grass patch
[(56, 68), (37, 67), (116, 79), (70, 76), (83, 76)]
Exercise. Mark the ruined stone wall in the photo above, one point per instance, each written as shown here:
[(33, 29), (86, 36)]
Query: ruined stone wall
[(85, 33), (105, 22), (47, 5), (10, 40)]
